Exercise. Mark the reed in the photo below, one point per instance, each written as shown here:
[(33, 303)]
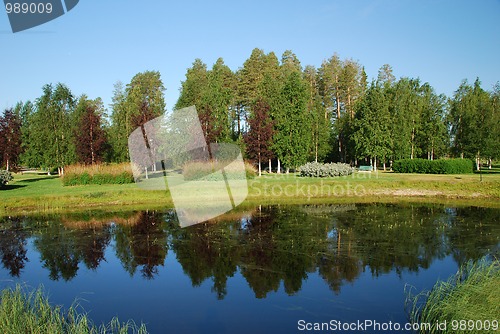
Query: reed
[(98, 174), (469, 301), (23, 311)]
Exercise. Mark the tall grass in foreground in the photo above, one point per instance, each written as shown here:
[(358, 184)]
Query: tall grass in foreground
[(30, 312), (469, 299), (98, 174)]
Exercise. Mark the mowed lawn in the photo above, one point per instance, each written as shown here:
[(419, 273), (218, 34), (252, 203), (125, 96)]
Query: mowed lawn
[(32, 192)]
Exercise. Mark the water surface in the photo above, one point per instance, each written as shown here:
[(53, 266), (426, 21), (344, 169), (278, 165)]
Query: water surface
[(258, 271)]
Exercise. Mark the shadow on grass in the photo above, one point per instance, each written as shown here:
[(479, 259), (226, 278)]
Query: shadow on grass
[(11, 187), (38, 179)]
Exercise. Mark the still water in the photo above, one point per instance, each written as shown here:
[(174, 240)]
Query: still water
[(257, 271)]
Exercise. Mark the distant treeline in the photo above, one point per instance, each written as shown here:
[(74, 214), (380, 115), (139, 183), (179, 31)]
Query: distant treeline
[(277, 110)]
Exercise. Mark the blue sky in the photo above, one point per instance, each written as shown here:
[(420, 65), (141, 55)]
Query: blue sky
[(102, 41)]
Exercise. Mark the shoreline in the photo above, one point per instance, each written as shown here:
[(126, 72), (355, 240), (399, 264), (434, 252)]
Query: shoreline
[(35, 194)]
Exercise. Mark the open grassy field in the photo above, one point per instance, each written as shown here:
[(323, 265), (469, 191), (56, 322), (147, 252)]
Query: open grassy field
[(31, 192)]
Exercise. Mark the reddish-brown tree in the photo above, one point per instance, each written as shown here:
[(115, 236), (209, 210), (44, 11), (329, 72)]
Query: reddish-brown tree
[(10, 140), (259, 137), (90, 136)]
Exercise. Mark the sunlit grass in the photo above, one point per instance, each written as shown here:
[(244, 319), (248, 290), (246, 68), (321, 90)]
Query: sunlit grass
[(23, 311), (41, 193), (473, 294)]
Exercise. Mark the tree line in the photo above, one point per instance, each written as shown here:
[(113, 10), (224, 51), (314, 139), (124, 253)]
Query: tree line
[(279, 112)]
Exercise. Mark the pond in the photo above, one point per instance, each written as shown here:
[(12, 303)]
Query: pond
[(257, 271)]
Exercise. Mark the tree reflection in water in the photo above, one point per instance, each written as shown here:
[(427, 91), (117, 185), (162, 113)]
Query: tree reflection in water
[(271, 246)]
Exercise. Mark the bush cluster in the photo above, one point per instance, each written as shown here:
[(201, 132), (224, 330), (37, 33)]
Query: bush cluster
[(5, 177), (205, 171), (97, 174), (441, 166), (316, 169)]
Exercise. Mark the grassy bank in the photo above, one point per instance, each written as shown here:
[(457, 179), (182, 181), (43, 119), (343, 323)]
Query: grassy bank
[(41, 193), (469, 302), (31, 312)]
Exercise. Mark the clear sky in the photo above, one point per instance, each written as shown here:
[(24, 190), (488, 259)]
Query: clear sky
[(101, 42)]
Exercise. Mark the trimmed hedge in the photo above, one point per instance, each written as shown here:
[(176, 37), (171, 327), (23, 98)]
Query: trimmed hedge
[(316, 169), (5, 177), (441, 166), (97, 174)]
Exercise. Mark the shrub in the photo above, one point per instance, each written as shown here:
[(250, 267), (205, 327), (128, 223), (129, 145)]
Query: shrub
[(98, 174), (205, 171), (5, 177), (441, 166), (316, 169)]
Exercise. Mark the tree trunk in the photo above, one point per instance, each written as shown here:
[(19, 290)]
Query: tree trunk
[(384, 166), (288, 170), (8, 165), (260, 169), (489, 163), (375, 164), (270, 166), (279, 166)]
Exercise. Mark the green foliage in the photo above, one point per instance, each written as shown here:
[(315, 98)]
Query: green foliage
[(5, 177), (291, 141), (316, 169), (97, 174), (441, 166), (475, 121), (141, 101), (31, 312), (472, 294)]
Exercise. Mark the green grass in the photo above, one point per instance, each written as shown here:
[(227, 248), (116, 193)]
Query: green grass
[(472, 295), (31, 192), (22, 311)]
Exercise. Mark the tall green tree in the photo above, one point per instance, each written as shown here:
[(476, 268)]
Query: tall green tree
[(120, 127), (51, 127), (191, 92), (405, 108), (320, 123), (141, 101), (216, 100), (372, 125), (291, 142), (474, 122), (432, 136)]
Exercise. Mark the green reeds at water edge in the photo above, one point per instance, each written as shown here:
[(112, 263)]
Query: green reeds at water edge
[(469, 301), (23, 311)]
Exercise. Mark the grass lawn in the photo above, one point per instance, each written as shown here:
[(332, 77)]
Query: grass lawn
[(31, 192)]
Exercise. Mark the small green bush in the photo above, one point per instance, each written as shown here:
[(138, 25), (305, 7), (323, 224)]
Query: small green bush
[(316, 169), (5, 177), (441, 166)]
